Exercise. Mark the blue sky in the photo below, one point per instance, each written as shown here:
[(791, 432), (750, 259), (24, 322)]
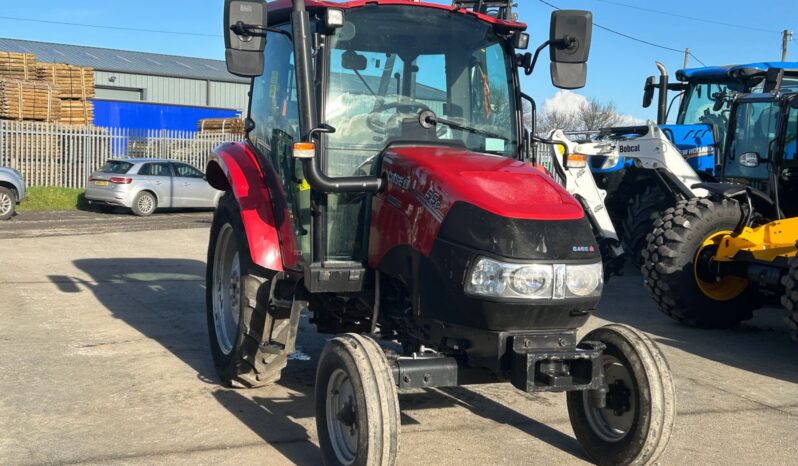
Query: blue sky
[(617, 66)]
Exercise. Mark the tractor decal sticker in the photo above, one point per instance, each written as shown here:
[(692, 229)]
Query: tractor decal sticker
[(583, 249), (397, 179)]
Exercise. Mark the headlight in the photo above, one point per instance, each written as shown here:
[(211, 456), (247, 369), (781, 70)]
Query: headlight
[(584, 280), (492, 278)]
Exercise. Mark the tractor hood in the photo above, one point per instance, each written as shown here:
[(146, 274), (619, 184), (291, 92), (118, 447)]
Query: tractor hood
[(443, 176), (487, 203)]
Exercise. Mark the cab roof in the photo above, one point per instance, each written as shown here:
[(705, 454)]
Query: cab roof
[(714, 73), (281, 5)]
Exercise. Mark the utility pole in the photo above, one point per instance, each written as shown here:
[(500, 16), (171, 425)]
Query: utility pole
[(687, 56), (786, 36)]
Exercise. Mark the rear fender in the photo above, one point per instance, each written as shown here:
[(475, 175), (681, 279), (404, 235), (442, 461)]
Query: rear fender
[(260, 195)]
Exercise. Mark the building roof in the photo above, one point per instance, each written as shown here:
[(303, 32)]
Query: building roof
[(123, 61)]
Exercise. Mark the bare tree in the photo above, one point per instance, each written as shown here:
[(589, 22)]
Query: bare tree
[(594, 115), (589, 116)]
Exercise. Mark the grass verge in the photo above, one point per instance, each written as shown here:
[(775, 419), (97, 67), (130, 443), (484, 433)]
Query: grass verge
[(48, 198)]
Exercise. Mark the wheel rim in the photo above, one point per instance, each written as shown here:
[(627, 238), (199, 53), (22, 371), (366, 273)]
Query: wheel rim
[(722, 289), (613, 422), (342, 417), (5, 204), (226, 289), (146, 204)]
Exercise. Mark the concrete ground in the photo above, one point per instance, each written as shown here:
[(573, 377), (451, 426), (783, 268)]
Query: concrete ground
[(105, 360)]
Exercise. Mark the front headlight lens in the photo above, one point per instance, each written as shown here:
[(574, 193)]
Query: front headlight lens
[(487, 278), (492, 278), (584, 280), (531, 280)]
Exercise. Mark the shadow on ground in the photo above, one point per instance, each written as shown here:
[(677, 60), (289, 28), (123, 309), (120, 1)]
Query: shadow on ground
[(768, 348)]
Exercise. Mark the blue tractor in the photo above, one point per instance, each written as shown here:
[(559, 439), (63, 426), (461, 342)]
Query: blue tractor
[(636, 195)]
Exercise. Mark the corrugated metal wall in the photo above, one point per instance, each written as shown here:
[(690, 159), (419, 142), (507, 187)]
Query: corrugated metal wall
[(179, 91)]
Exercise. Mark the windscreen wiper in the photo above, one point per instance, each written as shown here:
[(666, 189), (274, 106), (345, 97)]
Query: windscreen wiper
[(427, 119)]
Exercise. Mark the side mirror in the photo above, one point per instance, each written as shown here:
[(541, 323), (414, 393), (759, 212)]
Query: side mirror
[(749, 159), (245, 23), (353, 61), (720, 100), (569, 47), (648, 92)]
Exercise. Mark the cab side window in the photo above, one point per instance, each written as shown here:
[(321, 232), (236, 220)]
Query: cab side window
[(274, 102)]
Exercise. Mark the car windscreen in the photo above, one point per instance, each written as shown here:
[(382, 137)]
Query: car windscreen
[(116, 167)]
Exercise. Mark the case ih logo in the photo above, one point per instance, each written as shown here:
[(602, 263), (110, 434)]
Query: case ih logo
[(582, 249), (635, 148)]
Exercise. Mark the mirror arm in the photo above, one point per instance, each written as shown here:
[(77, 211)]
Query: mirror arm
[(565, 42), (531, 67), (250, 30)]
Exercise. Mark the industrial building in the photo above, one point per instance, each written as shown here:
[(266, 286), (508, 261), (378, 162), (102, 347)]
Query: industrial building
[(146, 90)]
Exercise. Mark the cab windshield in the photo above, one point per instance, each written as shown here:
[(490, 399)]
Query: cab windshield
[(387, 64)]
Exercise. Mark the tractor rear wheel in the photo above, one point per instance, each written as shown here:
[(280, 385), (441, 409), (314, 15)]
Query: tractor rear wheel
[(634, 424), (643, 210), (357, 406), (790, 298), (678, 271), (248, 337)]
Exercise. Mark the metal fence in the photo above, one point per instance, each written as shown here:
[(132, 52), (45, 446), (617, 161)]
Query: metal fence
[(58, 155)]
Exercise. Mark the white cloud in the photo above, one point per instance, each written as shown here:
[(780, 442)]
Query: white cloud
[(569, 102)]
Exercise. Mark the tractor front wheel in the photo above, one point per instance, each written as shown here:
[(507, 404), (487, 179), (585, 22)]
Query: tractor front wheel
[(357, 406), (678, 266), (634, 424)]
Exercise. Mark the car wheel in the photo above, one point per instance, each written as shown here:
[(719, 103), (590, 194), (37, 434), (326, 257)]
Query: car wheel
[(8, 203), (144, 204)]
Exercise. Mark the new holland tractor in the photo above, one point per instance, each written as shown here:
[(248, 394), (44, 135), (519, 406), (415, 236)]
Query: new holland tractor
[(382, 188), (710, 262)]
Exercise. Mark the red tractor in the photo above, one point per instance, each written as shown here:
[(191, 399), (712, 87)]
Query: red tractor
[(384, 187)]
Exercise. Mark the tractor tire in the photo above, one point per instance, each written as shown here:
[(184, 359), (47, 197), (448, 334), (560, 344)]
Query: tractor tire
[(635, 424), (643, 210), (249, 338), (790, 298), (144, 204), (357, 406), (678, 246), (8, 203)]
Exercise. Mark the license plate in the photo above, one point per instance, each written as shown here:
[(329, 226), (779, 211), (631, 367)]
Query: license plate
[(100, 183)]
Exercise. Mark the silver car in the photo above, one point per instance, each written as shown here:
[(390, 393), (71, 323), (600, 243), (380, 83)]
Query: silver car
[(144, 185), (12, 191)]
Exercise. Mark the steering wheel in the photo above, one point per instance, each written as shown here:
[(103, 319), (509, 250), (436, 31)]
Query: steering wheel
[(405, 105)]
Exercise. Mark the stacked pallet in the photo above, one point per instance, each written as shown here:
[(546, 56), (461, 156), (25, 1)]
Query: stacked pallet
[(221, 125), (18, 66), (76, 85), (29, 100)]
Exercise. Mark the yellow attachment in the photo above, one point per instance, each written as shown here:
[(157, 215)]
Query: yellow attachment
[(728, 287), (766, 243)]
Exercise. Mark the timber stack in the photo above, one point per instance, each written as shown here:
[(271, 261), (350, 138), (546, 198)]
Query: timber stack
[(29, 100), (221, 125), (76, 85)]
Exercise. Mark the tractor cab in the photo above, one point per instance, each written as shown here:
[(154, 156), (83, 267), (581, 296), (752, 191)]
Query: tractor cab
[(761, 146)]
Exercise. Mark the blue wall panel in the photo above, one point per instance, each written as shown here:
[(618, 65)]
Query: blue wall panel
[(140, 115)]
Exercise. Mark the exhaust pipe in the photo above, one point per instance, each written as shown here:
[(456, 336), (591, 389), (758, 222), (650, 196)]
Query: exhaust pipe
[(662, 104)]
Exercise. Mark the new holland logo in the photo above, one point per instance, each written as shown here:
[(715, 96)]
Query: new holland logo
[(582, 249), (622, 149)]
